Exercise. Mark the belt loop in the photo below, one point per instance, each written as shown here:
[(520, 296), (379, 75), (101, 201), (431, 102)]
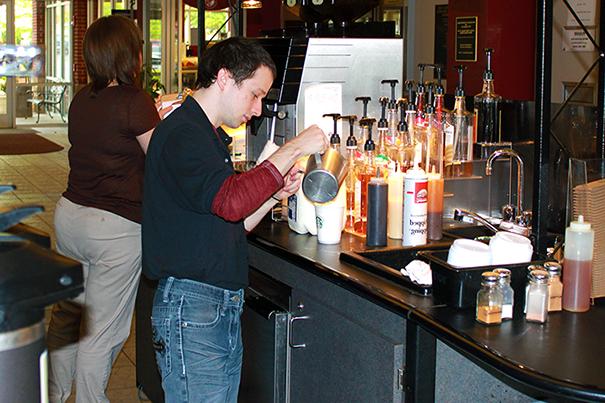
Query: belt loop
[(167, 288), (225, 297)]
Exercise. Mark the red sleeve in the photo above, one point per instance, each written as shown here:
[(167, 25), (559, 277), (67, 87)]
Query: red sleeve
[(241, 194)]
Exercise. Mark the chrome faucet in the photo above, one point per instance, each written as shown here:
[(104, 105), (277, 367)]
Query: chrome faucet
[(512, 154), (461, 213)]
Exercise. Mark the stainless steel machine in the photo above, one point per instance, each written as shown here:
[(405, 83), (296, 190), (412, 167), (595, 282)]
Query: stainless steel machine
[(322, 75)]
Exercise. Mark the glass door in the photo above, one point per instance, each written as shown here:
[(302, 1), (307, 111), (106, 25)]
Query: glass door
[(7, 84)]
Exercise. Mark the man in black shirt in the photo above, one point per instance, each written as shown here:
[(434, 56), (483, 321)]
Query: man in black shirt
[(195, 215)]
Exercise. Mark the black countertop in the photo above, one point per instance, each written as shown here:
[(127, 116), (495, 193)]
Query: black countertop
[(564, 358)]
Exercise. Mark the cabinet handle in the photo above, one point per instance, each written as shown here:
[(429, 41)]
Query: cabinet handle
[(292, 319)]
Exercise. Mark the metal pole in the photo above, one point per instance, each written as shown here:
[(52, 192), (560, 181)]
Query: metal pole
[(542, 136), (240, 18), (201, 29), (601, 91)]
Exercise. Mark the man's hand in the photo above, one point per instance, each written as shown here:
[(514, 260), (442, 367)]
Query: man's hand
[(292, 182), (311, 140)]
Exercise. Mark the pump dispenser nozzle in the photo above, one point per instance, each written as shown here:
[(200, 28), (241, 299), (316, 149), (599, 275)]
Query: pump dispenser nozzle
[(430, 99), (460, 89), (409, 86), (393, 100), (368, 122), (365, 101), (402, 126), (383, 123), (439, 90), (335, 138), (420, 87), (351, 140), (488, 74)]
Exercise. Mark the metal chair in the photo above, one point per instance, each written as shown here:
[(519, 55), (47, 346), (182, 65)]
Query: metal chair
[(51, 99)]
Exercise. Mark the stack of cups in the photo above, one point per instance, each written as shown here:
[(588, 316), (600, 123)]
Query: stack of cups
[(468, 253), (508, 248)]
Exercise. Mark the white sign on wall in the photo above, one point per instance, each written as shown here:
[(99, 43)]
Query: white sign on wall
[(575, 40), (585, 9), (574, 37)]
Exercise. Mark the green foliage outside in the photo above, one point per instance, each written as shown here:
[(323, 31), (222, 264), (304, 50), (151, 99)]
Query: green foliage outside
[(23, 22)]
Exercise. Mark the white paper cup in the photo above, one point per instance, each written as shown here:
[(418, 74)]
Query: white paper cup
[(329, 218), (508, 248), (468, 253)]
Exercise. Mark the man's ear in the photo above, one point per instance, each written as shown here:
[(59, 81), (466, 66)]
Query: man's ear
[(222, 77)]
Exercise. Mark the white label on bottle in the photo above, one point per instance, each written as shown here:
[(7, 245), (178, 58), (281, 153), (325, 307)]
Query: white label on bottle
[(292, 201), (507, 311), (415, 212)]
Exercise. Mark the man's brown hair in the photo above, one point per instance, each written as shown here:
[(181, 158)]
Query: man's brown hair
[(112, 49)]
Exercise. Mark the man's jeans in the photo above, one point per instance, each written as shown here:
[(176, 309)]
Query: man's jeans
[(197, 341)]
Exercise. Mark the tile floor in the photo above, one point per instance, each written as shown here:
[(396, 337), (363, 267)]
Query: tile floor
[(40, 179)]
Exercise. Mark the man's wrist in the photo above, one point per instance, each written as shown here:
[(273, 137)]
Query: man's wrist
[(275, 198)]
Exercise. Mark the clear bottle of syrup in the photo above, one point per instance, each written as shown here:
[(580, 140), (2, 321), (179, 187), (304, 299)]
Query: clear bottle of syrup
[(350, 181), (459, 141), (366, 170), (488, 106)]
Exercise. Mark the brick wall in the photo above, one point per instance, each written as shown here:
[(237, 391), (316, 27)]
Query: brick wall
[(79, 28), (38, 22)]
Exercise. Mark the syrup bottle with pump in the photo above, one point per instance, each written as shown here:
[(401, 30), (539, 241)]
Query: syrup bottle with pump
[(352, 212), (440, 111), (405, 143), (383, 127), (366, 170), (363, 132), (392, 113), (488, 106), (459, 142)]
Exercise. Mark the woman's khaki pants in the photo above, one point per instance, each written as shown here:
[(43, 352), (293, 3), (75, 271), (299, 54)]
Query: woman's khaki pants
[(86, 334)]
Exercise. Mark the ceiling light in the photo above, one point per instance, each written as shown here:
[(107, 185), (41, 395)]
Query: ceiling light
[(252, 4)]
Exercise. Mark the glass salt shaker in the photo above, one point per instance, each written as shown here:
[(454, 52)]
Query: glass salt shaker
[(530, 268), (507, 293), (537, 297), (489, 300), (555, 286)]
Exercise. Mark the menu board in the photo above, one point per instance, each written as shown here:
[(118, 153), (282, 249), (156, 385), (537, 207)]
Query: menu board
[(466, 39)]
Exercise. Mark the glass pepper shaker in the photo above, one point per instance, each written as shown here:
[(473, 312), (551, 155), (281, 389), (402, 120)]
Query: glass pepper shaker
[(555, 286), (489, 300), (507, 293), (530, 268), (537, 297)]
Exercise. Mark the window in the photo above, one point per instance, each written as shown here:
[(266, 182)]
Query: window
[(58, 41), (105, 6)]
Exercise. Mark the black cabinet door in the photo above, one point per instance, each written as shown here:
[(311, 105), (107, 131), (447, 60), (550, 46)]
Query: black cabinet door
[(342, 360)]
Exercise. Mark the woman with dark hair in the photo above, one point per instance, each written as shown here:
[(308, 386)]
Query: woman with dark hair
[(97, 220)]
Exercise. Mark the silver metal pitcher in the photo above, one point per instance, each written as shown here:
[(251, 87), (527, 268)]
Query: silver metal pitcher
[(324, 175)]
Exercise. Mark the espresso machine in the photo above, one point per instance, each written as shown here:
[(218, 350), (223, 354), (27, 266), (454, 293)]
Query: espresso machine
[(319, 74)]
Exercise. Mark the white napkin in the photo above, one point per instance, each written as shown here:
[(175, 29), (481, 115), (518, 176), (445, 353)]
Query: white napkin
[(419, 272)]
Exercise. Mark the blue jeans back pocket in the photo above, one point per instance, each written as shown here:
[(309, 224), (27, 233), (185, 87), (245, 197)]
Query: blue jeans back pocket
[(161, 344)]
